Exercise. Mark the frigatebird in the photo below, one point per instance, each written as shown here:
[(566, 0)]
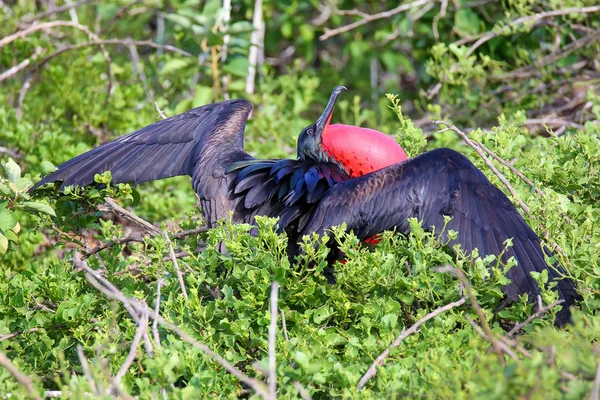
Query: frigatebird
[(343, 174)]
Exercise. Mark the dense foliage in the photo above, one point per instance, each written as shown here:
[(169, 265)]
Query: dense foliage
[(521, 77)]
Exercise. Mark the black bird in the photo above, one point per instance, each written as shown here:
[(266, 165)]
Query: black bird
[(342, 174)]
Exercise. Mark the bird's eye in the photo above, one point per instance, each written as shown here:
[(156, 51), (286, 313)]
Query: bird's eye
[(310, 131)]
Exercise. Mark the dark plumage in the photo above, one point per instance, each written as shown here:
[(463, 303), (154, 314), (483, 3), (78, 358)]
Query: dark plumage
[(315, 192)]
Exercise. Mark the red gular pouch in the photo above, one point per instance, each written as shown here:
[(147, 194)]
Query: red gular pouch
[(361, 151)]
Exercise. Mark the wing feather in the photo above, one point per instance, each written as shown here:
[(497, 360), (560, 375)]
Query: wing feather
[(430, 186)]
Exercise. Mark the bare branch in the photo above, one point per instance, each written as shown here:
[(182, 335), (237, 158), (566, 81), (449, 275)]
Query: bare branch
[(366, 18), (541, 311), (595, 393), (460, 274), (160, 112), (54, 10), (22, 65), (302, 391), (123, 240), (157, 311), (284, 327), (372, 371), (273, 341), (86, 371), (487, 162), (481, 39), (139, 308), (139, 332), (50, 25), (499, 344), (23, 379), (176, 265), (256, 46), (10, 152)]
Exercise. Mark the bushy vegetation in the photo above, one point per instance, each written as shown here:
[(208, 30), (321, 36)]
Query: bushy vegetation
[(520, 77)]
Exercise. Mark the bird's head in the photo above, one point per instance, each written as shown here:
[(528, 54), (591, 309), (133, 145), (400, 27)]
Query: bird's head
[(357, 150), (310, 141)]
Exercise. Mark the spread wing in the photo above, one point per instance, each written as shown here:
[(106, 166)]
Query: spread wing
[(199, 143), (442, 183), (206, 143)]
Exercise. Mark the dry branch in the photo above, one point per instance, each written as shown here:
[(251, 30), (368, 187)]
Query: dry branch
[(23, 379), (22, 65), (50, 25), (595, 393), (111, 206), (483, 38), (86, 371), (272, 342), (541, 311), (366, 18), (460, 274), (138, 308), (54, 11), (497, 344), (139, 333), (487, 161), (155, 333), (372, 371)]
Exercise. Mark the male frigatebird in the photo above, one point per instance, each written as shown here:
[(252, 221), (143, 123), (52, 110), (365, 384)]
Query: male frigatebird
[(342, 174)]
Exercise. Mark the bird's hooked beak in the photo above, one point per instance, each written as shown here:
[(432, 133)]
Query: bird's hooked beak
[(324, 119)]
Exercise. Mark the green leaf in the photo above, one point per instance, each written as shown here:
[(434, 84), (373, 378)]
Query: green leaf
[(302, 358), (3, 244), (13, 171), (240, 27), (237, 66), (7, 220), (47, 167), (5, 190), (40, 207), (321, 314), (466, 22), (12, 236), (174, 65)]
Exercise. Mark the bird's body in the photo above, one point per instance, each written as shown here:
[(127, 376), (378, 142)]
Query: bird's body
[(343, 174)]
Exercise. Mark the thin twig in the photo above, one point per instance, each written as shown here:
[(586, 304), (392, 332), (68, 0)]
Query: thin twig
[(283, 326), (86, 371), (302, 391), (256, 45), (483, 38), (54, 10), (10, 152), (499, 343), (157, 311), (460, 274), (141, 308), (189, 232), (541, 311), (366, 18), (50, 25), (273, 341), (22, 65), (595, 393), (176, 265), (372, 371), (111, 206), (31, 330), (137, 338), (486, 160), (160, 112), (23, 379), (123, 240)]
